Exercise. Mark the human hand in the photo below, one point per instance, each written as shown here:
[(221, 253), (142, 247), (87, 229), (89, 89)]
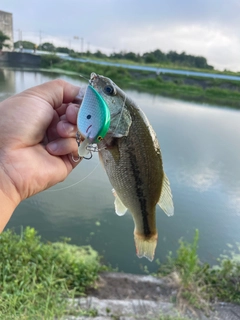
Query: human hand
[(37, 138)]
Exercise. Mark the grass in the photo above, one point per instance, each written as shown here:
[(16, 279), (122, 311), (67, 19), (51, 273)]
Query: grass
[(36, 278), (207, 90), (200, 284)]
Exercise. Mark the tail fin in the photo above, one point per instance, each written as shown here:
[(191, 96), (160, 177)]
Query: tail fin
[(145, 247)]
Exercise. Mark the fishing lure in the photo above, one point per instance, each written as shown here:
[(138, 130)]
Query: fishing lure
[(93, 121)]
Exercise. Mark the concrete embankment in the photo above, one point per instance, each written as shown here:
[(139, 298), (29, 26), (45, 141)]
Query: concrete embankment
[(127, 297)]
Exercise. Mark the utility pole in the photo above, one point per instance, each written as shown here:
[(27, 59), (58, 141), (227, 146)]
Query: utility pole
[(40, 37), (20, 39), (82, 39), (82, 45)]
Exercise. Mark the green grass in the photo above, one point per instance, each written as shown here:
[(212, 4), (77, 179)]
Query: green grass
[(37, 277)]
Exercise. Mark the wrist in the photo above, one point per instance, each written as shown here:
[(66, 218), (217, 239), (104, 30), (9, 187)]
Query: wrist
[(9, 198), (7, 208)]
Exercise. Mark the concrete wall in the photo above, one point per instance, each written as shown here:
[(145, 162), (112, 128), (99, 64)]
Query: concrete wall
[(19, 59), (6, 26)]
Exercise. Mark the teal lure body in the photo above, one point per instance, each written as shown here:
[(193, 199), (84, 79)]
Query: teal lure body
[(93, 119)]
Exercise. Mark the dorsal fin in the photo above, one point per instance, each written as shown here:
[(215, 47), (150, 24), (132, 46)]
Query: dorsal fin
[(165, 201)]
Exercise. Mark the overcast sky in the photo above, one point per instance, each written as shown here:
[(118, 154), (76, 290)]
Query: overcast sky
[(210, 28)]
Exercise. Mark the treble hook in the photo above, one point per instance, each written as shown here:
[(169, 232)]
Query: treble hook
[(78, 140), (91, 155)]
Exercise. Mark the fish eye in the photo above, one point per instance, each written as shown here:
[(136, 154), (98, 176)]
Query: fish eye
[(89, 116), (109, 90)]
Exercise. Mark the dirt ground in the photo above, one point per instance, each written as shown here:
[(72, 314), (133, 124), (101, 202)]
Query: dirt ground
[(128, 286)]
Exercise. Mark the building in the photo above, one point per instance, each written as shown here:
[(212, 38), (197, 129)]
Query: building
[(6, 26)]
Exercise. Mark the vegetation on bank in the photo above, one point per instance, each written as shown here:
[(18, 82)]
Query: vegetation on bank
[(207, 90), (36, 278), (200, 284)]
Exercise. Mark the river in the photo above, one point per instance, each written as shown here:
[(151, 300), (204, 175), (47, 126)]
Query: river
[(201, 154)]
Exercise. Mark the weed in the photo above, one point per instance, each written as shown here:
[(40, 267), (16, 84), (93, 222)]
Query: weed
[(187, 274), (197, 283)]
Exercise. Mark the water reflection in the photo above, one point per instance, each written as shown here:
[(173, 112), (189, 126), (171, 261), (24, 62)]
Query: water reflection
[(200, 148)]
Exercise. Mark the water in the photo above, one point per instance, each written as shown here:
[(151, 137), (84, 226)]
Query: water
[(200, 148)]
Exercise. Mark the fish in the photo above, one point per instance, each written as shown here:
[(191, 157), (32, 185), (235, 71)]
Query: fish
[(131, 156)]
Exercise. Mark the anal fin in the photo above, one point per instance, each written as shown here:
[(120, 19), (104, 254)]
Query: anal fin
[(120, 208)]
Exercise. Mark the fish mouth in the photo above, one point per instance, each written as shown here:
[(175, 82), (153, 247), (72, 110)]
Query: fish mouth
[(88, 128)]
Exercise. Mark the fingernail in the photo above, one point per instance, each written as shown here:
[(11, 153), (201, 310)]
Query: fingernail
[(68, 127), (52, 146), (80, 94)]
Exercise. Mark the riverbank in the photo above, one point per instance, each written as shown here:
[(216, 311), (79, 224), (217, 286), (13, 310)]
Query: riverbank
[(191, 88), (41, 280), (127, 297)]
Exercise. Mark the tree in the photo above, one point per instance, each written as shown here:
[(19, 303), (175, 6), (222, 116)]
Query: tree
[(64, 50), (159, 55), (25, 45), (132, 56), (3, 38), (47, 46), (100, 55), (149, 57)]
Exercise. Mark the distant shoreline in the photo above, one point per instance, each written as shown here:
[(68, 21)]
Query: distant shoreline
[(216, 92)]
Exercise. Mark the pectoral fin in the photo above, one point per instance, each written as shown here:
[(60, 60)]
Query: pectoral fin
[(120, 208), (165, 201)]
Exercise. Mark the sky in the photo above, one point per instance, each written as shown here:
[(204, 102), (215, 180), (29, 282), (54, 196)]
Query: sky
[(209, 28)]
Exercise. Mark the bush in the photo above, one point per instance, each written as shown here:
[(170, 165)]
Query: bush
[(47, 60)]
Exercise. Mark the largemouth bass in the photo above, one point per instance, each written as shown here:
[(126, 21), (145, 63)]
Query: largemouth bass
[(131, 156)]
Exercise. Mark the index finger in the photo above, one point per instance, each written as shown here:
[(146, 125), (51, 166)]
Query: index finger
[(55, 92)]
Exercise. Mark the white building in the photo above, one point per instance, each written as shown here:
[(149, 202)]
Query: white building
[(6, 26)]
